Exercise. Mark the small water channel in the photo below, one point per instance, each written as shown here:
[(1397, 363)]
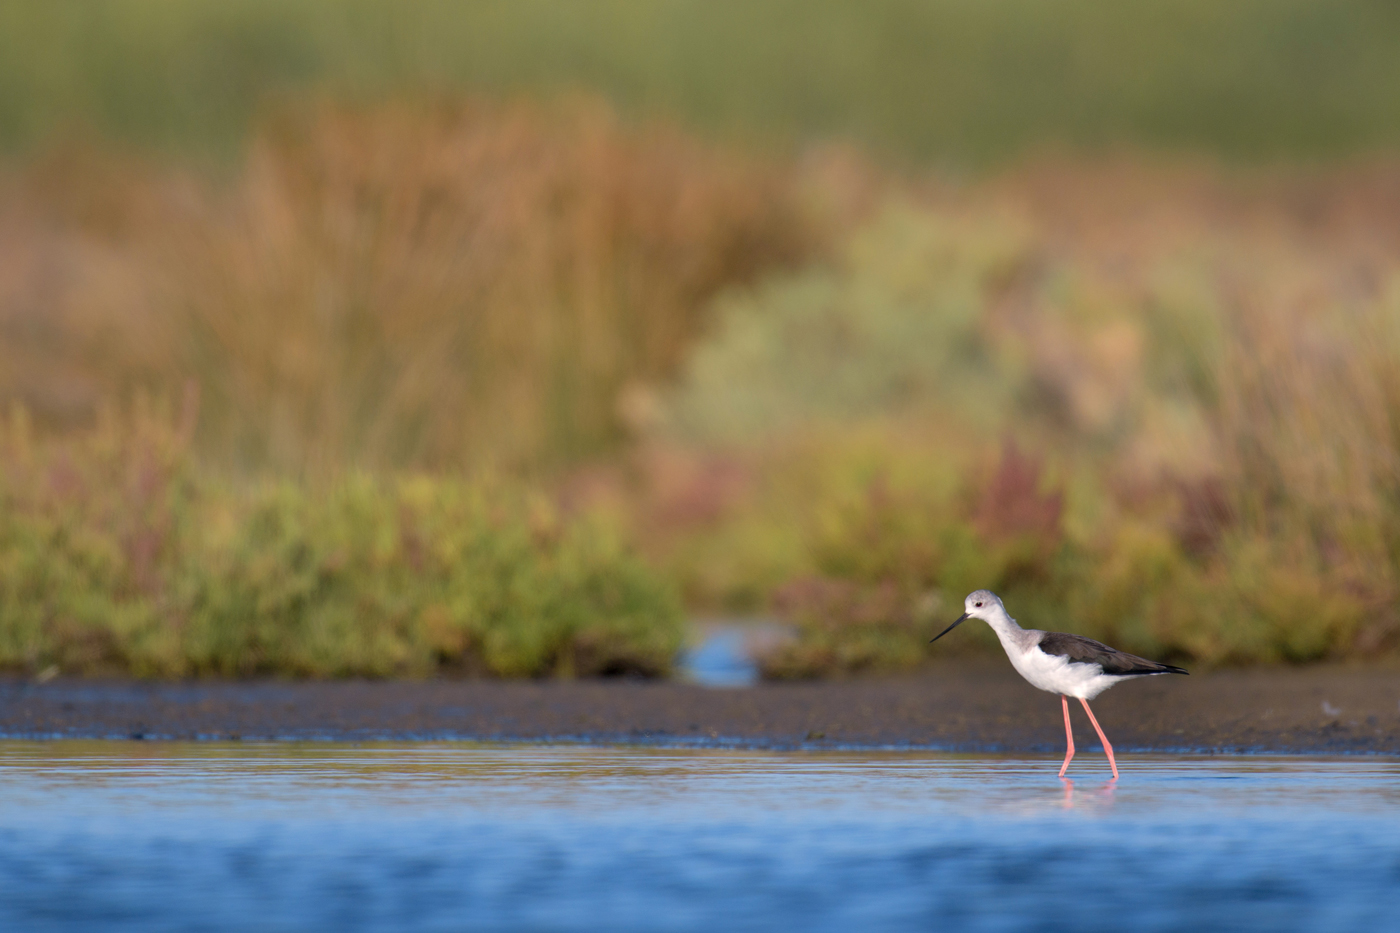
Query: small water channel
[(201, 836), (721, 655)]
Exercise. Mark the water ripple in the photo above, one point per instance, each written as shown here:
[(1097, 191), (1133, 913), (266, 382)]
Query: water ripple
[(153, 836)]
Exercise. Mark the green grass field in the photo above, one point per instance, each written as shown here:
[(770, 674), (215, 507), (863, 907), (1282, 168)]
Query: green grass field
[(957, 81)]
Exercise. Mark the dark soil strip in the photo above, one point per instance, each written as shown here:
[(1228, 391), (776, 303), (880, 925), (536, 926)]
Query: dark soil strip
[(967, 708)]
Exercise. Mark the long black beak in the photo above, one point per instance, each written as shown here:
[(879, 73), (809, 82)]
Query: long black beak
[(961, 619)]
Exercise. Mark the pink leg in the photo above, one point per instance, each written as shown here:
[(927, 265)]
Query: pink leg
[(1069, 737), (1108, 749)]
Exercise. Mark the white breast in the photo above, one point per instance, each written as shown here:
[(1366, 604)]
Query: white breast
[(1055, 674)]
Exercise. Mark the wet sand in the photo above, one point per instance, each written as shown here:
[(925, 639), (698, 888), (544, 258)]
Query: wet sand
[(978, 707)]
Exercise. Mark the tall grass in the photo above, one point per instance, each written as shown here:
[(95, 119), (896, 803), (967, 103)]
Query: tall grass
[(425, 285), (959, 81)]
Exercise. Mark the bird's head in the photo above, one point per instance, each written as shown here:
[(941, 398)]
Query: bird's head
[(981, 604)]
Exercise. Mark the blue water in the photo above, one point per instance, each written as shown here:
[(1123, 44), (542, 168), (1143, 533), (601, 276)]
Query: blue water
[(168, 836)]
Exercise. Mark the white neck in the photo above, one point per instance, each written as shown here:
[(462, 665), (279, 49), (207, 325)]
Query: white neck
[(1008, 632)]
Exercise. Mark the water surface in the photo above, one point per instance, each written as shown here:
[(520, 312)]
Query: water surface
[(156, 836)]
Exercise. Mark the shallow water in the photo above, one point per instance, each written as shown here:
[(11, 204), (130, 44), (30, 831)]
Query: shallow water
[(156, 836)]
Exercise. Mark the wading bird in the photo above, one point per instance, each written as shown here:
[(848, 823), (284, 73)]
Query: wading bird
[(1070, 665)]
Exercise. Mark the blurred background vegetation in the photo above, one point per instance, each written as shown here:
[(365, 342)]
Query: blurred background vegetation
[(385, 339), (953, 81)]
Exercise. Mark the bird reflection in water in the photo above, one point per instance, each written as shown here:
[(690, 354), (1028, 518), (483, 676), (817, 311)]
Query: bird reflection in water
[(1100, 799)]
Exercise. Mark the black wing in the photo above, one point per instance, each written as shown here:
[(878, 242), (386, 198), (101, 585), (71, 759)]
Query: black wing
[(1087, 651)]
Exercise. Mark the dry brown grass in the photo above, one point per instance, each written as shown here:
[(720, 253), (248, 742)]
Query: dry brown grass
[(413, 284)]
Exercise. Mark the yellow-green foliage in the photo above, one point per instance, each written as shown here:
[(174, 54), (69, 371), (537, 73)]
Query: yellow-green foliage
[(895, 324), (115, 556), (1203, 463)]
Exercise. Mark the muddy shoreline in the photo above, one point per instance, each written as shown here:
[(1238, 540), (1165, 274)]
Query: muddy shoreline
[(1330, 710)]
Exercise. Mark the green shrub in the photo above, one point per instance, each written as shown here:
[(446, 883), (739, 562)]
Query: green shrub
[(894, 325), (119, 561)]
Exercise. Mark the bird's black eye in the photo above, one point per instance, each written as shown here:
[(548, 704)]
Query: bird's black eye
[(979, 605)]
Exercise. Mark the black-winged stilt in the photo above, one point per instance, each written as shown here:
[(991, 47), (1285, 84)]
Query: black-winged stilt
[(1070, 665)]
